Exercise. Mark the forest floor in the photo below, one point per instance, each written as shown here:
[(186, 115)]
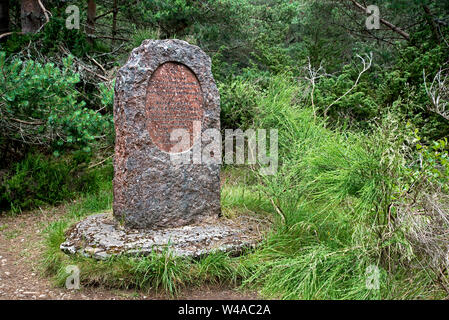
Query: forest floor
[(22, 275)]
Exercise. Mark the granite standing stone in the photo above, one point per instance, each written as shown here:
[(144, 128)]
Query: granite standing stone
[(165, 85), (159, 205)]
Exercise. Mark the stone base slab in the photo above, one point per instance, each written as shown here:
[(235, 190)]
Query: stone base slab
[(101, 236)]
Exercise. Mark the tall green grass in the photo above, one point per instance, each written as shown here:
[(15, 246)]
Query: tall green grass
[(157, 272), (40, 180), (334, 188)]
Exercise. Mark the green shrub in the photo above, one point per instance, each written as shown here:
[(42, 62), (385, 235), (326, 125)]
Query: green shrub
[(143, 34), (238, 106), (55, 33), (337, 191), (42, 107), (39, 180)]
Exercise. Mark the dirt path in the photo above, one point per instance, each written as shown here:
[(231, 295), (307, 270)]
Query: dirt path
[(21, 277)]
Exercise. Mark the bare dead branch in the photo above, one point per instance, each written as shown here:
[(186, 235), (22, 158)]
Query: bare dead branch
[(97, 63), (9, 33), (104, 14), (32, 123), (98, 163), (46, 12), (438, 93), (366, 65), (312, 76)]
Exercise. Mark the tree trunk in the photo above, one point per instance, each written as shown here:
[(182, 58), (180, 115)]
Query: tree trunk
[(91, 13), (114, 20), (432, 24), (17, 10), (31, 16), (4, 18)]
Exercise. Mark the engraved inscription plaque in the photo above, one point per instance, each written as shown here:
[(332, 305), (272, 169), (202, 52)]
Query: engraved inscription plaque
[(173, 101)]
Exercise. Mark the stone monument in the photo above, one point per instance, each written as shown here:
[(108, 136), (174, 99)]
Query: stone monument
[(166, 85)]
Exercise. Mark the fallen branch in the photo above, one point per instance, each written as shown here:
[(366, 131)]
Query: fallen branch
[(97, 63), (98, 163), (94, 73), (9, 33), (31, 123)]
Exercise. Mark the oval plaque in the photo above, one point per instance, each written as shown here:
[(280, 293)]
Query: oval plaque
[(174, 100)]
